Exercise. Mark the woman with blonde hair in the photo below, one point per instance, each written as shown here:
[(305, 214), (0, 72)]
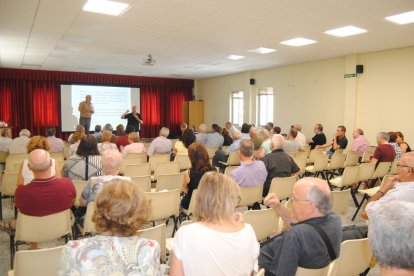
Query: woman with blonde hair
[(25, 175), (134, 145), (106, 142), (218, 243), (121, 208), (264, 136)]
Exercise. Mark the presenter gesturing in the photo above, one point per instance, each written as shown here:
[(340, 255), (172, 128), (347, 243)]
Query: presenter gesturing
[(86, 110), (134, 118)]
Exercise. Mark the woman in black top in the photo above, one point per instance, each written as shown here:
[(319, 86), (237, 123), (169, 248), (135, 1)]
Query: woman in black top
[(227, 139), (200, 164), (400, 141)]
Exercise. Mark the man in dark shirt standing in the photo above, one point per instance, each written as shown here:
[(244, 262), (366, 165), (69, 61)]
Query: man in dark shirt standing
[(319, 138), (134, 119), (301, 245), (278, 163), (339, 141)]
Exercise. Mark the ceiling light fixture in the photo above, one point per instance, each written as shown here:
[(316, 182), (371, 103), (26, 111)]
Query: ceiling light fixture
[(402, 18), (105, 7), (297, 42), (345, 31), (235, 57), (262, 50), (148, 60)]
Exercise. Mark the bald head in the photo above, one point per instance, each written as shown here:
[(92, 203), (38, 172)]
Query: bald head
[(277, 141), (111, 161), (315, 190), (39, 160)]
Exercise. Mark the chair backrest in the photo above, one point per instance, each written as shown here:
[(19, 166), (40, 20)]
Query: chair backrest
[(321, 163), (349, 176), (43, 229), (9, 183), (365, 171), (164, 204), (382, 169), (79, 187), (157, 158), (304, 153), (340, 201), (3, 156), (366, 157), (137, 169), (192, 204), (14, 160), (37, 262), (282, 186), (250, 195), (385, 178), (88, 224), (170, 182), (229, 169), (166, 168), (313, 154), (263, 222), (312, 272), (301, 162), (351, 159), (136, 158), (211, 151), (354, 258), (157, 233), (234, 159), (143, 181), (183, 160), (337, 161), (393, 169)]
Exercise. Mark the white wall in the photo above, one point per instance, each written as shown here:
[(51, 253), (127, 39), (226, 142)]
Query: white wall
[(380, 99)]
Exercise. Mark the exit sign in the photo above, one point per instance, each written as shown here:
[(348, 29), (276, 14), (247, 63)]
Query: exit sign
[(350, 75)]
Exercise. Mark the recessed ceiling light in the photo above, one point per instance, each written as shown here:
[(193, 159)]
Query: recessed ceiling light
[(299, 41), (235, 57), (262, 50), (345, 31), (402, 18), (105, 7)]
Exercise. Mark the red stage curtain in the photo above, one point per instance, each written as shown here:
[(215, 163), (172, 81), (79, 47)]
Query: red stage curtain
[(5, 103)]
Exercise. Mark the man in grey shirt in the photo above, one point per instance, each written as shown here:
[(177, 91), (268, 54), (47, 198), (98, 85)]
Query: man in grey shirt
[(301, 245), (290, 145), (214, 139)]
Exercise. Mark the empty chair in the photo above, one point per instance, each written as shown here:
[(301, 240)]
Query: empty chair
[(137, 158), (37, 262), (301, 162), (166, 168), (313, 154), (131, 161), (183, 160), (321, 163), (234, 159), (229, 169), (348, 178), (170, 182), (143, 181), (340, 201), (79, 187), (351, 159), (337, 162), (382, 169), (263, 222), (8, 188), (156, 233), (282, 186), (158, 158), (137, 169), (250, 195)]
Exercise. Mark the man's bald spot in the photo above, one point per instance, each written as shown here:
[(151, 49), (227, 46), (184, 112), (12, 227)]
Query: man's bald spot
[(39, 160), (309, 182), (408, 158), (277, 139)]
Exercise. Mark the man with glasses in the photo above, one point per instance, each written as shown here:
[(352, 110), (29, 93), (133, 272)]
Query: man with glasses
[(314, 238), (397, 188)]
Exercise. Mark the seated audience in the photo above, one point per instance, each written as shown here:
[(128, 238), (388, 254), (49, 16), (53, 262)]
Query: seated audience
[(223, 156), (56, 144), (253, 136), (392, 141), (227, 138), (396, 188), (105, 142), (25, 175), (339, 141), (291, 145), (123, 141), (98, 133), (75, 139), (161, 144), (120, 130), (245, 131), (111, 129), (134, 145), (218, 243), (278, 163), (269, 127), (400, 141), (121, 209), (264, 137), (384, 152), (229, 126), (300, 137), (201, 134), (276, 130), (5, 140), (200, 164), (391, 238), (85, 163), (214, 139), (181, 147), (19, 144), (251, 172), (183, 127), (301, 245), (319, 138), (360, 144)]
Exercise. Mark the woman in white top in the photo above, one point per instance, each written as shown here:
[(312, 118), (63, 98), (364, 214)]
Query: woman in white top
[(106, 144), (219, 243), (134, 146), (25, 175)]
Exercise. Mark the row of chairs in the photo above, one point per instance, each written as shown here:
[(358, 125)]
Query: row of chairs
[(14, 160)]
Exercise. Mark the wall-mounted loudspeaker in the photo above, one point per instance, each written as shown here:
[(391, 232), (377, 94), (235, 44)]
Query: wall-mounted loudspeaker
[(252, 81), (360, 69)]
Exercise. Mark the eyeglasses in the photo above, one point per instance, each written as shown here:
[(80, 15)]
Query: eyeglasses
[(292, 197), (404, 166)]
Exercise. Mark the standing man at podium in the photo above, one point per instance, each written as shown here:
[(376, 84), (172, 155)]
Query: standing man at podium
[(86, 110), (134, 119)]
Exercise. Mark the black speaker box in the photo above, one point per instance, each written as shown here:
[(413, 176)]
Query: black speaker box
[(360, 69), (252, 81)]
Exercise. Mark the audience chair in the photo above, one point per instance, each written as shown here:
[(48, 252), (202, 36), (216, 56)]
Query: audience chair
[(143, 181), (301, 162), (166, 168), (250, 196), (14, 160), (335, 164), (393, 169), (66, 150), (365, 171), (79, 187), (3, 157), (8, 189), (351, 159), (348, 178), (170, 182), (158, 158), (211, 151), (156, 233), (165, 205), (88, 227), (282, 186), (170, 241), (313, 154), (383, 168), (320, 165), (188, 212), (229, 169), (184, 161), (234, 159), (312, 272), (43, 262), (340, 201), (291, 154), (130, 161), (354, 258), (265, 222), (137, 169), (136, 158)]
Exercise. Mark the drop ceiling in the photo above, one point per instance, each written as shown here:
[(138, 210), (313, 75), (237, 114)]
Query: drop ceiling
[(191, 38)]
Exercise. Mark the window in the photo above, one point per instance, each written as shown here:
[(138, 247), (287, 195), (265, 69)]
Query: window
[(236, 108), (265, 106)]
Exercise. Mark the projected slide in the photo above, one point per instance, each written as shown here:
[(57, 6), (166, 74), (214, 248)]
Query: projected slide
[(109, 103)]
